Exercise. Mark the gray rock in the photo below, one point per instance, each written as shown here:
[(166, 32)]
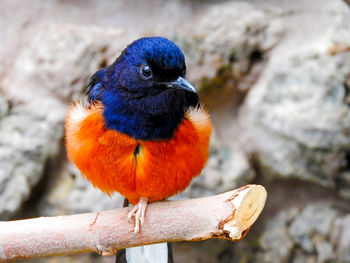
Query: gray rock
[(341, 239), (275, 242), (325, 252), (59, 60), (226, 169), (302, 258), (29, 135), (314, 222), (227, 33), (53, 68), (72, 194), (4, 107), (297, 117), (317, 233)]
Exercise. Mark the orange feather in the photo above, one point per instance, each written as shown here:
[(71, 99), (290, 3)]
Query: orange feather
[(159, 170)]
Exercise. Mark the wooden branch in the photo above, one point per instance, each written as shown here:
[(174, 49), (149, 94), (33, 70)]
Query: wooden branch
[(227, 215)]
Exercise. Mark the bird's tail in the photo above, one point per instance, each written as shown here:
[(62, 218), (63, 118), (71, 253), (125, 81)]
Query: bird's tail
[(157, 253)]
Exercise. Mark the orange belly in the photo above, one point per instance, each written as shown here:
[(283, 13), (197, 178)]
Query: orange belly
[(159, 170)]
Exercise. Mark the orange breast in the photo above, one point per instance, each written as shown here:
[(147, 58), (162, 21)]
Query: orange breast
[(159, 170)]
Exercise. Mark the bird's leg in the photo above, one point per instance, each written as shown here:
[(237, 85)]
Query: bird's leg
[(138, 212)]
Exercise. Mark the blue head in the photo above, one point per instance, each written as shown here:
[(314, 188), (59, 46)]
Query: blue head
[(144, 92)]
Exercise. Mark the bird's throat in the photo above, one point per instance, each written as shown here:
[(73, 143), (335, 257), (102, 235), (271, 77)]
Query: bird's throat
[(142, 126)]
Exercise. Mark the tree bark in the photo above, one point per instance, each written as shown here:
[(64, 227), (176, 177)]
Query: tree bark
[(228, 215)]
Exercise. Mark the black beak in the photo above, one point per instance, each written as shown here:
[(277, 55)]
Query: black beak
[(180, 83)]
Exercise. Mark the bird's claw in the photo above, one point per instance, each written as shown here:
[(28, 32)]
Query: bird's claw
[(138, 212)]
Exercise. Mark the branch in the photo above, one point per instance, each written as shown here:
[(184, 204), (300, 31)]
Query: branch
[(227, 215)]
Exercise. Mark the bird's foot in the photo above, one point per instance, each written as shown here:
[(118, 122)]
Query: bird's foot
[(138, 212)]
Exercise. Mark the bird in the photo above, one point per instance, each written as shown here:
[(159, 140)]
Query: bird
[(141, 130)]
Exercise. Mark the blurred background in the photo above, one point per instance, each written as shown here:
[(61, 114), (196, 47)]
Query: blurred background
[(274, 74)]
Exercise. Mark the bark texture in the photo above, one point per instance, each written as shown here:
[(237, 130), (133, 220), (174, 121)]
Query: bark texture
[(228, 215)]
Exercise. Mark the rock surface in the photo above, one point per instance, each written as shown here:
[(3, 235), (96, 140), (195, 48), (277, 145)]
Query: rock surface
[(51, 70), (298, 114), (303, 236), (29, 136), (274, 74), (341, 238)]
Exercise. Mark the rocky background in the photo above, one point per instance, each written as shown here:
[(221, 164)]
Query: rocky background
[(274, 74)]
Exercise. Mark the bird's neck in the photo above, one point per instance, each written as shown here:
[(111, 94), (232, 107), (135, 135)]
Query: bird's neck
[(121, 115)]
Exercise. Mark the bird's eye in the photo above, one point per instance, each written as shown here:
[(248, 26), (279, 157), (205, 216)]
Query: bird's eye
[(146, 72)]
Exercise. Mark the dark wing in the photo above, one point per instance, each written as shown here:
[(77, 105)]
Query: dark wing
[(95, 86)]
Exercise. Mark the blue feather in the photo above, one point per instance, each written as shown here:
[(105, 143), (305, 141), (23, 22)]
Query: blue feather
[(144, 108), (95, 86)]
